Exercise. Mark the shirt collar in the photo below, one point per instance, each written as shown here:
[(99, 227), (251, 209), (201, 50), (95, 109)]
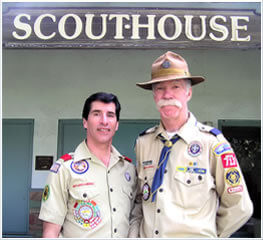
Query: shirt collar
[(186, 132), (82, 152)]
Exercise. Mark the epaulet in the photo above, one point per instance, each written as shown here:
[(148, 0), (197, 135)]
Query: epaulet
[(148, 130), (66, 157), (127, 159), (206, 128), (215, 131)]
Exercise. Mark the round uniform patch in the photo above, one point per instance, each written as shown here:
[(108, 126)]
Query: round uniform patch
[(233, 177), (146, 191), (80, 167), (87, 214), (46, 193), (195, 149), (127, 176)]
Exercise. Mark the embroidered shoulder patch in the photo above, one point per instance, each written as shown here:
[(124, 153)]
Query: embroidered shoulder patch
[(221, 148), (46, 193), (55, 167)]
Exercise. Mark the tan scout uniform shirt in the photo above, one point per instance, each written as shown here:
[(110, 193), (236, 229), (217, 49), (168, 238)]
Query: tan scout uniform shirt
[(88, 199), (201, 168)]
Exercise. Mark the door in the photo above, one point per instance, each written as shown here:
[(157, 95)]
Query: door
[(71, 133), (17, 140)]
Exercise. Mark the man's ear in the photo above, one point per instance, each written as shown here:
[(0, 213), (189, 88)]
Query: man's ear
[(117, 126), (189, 94), (85, 124)]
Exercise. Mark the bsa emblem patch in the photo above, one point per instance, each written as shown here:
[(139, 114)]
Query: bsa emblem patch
[(55, 167), (87, 214), (46, 193), (195, 149), (127, 176), (146, 191), (233, 177), (222, 148), (80, 167), (229, 160)]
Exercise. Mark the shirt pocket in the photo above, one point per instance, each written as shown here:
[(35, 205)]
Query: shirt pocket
[(84, 192), (190, 189)]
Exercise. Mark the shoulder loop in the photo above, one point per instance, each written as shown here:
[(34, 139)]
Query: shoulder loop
[(148, 130), (127, 159), (66, 157), (215, 131)]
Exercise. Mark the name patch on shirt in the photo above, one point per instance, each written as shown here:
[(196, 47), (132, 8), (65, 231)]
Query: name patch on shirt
[(87, 214), (229, 160), (80, 167), (147, 164)]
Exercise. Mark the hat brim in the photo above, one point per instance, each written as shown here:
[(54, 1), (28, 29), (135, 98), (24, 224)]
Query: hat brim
[(148, 85)]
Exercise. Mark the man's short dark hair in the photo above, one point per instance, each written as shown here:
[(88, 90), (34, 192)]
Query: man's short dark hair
[(102, 97)]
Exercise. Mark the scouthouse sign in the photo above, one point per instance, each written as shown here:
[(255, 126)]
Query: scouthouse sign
[(130, 28)]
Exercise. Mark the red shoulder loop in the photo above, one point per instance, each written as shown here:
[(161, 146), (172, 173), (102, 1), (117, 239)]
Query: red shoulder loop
[(66, 157), (128, 159)]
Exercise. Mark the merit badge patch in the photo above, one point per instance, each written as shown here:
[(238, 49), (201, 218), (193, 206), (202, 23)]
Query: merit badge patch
[(235, 189), (222, 148), (46, 193), (233, 177), (229, 160), (55, 167), (146, 191), (195, 149), (80, 167), (87, 214), (127, 176)]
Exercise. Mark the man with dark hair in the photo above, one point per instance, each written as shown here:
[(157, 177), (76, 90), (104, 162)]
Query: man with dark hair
[(191, 184), (90, 193)]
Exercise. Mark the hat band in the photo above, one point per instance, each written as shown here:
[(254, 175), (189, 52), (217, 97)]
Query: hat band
[(170, 71)]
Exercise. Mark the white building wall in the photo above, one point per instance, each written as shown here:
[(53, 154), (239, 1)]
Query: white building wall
[(48, 85)]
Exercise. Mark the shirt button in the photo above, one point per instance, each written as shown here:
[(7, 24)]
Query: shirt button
[(200, 178), (114, 209), (161, 190), (84, 195), (165, 171), (145, 178), (111, 189), (115, 230), (109, 171), (156, 232), (158, 210), (188, 181)]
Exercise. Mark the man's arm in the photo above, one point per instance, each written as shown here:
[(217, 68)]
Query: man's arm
[(50, 230)]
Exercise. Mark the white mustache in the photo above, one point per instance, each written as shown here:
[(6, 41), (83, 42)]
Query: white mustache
[(170, 102)]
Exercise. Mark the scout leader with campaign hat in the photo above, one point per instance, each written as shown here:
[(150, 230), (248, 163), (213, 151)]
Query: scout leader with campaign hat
[(191, 184)]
